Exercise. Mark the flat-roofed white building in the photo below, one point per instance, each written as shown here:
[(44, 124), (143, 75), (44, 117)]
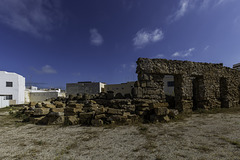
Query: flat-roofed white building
[(236, 66), (33, 94), (12, 87)]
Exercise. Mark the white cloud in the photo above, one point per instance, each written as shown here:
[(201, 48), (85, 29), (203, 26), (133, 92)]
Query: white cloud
[(185, 6), (47, 69), (144, 37), (36, 17), (186, 53), (176, 54), (96, 39), (206, 48)]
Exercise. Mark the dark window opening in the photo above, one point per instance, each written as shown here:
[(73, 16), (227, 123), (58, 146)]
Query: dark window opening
[(9, 84), (9, 97), (170, 83)]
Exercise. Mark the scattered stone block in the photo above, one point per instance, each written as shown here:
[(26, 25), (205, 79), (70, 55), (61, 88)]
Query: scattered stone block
[(161, 111), (71, 120), (97, 122), (100, 116), (41, 111), (173, 113), (114, 111)]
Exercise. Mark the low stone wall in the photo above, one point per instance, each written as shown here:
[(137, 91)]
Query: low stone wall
[(97, 111)]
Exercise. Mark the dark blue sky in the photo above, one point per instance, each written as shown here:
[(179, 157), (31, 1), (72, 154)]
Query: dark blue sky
[(62, 41)]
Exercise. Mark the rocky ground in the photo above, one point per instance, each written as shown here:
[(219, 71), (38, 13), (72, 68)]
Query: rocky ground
[(200, 136)]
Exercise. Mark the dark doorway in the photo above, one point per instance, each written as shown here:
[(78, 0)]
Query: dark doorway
[(197, 92), (223, 93)]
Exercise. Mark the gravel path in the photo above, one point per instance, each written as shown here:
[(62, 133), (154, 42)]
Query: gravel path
[(202, 136)]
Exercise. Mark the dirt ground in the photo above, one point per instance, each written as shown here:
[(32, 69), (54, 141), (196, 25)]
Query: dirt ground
[(200, 136)]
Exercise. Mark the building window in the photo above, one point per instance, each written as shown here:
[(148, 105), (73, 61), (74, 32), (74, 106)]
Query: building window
[(9, 97), (9, 84), (170, 83)]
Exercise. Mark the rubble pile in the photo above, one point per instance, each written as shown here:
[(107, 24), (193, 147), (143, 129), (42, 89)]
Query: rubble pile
[(97, 110)]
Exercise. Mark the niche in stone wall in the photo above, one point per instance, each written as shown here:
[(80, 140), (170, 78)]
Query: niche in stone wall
[(197, 91), (224, 93)]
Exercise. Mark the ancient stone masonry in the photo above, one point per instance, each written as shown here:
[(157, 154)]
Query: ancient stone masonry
[(197, 85), (97, 110)]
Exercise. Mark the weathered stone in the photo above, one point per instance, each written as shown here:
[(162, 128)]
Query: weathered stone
[(115, 111), (126, 114), (35, 120), (41, 111), (166, 118), (55, 118), (49, 106), (72, 111), (86, 118), (158, 105), (71, 120), (100, 116), (142, 107), (59, 104), (101, 110), (161, 111), (76, 105), (32, 104), (97, 122), (142, 113), (117, 118), (173, 113), (133, 118), (57, 110), (38, 105)]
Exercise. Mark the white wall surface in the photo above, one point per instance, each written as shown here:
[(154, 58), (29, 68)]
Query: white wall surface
[(3, 102), (18, 88)]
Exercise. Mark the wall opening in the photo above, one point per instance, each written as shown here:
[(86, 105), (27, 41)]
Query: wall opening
[(197, 91), (169, 85), (223, 92), (239, 95)]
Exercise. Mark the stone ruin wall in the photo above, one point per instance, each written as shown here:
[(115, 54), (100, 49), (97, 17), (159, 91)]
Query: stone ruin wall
[(198, 85)]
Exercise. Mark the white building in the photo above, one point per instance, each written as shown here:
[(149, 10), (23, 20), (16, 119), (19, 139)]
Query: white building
[(12, 87), (236, 66), (32, 94)]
